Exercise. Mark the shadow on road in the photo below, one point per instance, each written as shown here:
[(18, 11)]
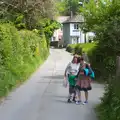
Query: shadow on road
[(61, 101), (56, 77), (54, 82), (59, 96)]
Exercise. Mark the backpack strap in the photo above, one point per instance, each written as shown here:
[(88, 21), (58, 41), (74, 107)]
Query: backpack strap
[(91, 73), (80, 68)]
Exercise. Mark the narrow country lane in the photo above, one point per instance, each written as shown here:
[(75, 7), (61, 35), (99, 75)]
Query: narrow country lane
[(43, 97)]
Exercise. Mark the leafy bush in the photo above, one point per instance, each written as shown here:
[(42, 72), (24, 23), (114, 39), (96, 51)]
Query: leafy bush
[(70, 48), (21, 52), (79, 48), (109, 108)]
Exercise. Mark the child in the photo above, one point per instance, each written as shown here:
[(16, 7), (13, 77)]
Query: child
[(71, 72)]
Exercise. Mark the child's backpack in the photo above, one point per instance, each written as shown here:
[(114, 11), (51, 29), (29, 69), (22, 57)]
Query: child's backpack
[(92, 75), (89, 72)]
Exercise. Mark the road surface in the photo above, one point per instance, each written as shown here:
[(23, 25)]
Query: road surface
[(43, 97)]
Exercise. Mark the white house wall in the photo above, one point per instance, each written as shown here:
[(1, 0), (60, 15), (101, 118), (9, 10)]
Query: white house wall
[(56, 34), (82, 38), (77, 33), (74, 32)]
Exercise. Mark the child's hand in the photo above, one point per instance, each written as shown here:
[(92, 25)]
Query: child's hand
[(64, 77), (65, 82)]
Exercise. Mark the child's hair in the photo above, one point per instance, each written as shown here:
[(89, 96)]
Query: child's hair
[(79, 59), (74, 58)]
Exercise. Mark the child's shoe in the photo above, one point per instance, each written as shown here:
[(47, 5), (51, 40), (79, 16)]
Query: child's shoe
[(73, 99), (69, 101), (85, 102), (78, 102)]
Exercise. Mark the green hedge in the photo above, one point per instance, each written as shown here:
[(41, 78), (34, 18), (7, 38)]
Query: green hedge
[(109, 108), (79, 48), (21, 52)]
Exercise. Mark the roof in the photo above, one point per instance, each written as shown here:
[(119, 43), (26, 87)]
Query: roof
[(75, 19), (62, 19)]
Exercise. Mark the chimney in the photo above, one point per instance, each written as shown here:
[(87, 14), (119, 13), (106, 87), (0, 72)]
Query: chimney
[(71, 14)]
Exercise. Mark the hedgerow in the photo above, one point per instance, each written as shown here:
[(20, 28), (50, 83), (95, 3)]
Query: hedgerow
[(79, 48), (21, 52)]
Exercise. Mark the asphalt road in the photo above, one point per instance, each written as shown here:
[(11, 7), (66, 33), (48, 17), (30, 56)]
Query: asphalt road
[(43, 97)]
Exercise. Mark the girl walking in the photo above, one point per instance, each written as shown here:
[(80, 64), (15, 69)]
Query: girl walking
[(84, 81)]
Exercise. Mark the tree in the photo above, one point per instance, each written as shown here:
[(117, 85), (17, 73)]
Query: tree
[(66, 6), (32, 10)]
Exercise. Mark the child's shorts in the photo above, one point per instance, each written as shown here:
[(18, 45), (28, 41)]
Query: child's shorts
[(71, 89), (71, 79)]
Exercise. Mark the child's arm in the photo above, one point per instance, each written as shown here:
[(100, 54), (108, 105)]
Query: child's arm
[(66, 69)]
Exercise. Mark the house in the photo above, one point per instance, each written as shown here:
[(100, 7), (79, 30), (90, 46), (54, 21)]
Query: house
[(58, 34), (72, 34)]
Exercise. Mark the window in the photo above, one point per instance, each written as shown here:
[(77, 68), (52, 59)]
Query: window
[(76, 26), (54, 38)]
